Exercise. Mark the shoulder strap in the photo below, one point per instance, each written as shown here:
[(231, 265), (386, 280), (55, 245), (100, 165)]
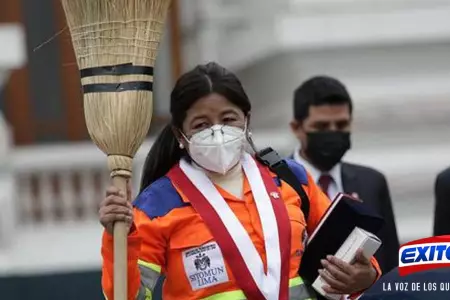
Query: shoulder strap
[(276, 164)]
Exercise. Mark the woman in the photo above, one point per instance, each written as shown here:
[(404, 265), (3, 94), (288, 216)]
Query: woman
[(209, 217)]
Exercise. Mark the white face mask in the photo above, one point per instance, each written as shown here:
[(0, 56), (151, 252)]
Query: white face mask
[(218, 148)]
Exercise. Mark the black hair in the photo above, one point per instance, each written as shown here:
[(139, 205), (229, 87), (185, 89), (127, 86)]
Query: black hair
[(190, 87), (319, 90)]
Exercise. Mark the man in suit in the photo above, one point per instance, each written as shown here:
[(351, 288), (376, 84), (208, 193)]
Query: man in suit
[(442, 203), (322, 124)]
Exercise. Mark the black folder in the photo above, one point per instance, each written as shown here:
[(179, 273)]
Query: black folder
[(344, 214)]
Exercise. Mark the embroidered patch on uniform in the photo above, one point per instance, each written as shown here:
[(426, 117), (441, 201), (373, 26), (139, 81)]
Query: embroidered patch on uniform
[(204, 266)]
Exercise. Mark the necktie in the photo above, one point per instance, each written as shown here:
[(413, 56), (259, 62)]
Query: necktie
[(324, 183)]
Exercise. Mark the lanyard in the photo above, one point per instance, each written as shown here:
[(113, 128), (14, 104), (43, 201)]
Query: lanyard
[(233, 239)]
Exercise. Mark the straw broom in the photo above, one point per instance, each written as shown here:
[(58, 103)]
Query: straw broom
[(116, 43)]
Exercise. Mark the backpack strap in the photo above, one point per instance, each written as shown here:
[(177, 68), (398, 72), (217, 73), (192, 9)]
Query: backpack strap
[(276, 164)]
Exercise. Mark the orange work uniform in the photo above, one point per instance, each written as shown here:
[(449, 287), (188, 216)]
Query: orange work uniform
[(168, 232)]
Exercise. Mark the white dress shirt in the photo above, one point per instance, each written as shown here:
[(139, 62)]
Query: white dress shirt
[(335, 173), (335, 185)]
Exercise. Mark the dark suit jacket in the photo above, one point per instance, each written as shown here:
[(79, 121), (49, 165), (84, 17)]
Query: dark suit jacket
[(442, 203), (372, 189)]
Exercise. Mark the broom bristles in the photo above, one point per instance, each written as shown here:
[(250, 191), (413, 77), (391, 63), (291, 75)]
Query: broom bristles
[(113, 33)]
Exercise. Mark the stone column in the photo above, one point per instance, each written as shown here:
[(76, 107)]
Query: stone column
[(12, 55)]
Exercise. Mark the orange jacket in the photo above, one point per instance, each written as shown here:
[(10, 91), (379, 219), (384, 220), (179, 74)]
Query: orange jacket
[(166, 227)]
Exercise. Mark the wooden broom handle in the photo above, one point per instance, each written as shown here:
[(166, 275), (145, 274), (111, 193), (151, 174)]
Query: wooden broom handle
[(120, 249)]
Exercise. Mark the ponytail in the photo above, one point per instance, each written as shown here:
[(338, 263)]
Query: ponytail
[(163, 155)]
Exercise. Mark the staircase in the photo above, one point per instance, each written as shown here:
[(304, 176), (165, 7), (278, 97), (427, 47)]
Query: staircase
[(240, 33)]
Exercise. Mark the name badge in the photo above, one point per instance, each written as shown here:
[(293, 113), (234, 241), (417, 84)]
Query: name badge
[(204, 266)]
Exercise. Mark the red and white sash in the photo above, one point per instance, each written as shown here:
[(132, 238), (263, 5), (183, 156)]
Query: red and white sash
[(233, 239)]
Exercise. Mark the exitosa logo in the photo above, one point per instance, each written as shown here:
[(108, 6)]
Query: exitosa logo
[(424, 254)]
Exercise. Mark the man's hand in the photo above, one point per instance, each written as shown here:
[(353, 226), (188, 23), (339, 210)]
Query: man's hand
[(343, 278)]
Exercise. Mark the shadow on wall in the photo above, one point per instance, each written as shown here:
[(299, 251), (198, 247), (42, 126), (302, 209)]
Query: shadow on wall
[(71, 286)]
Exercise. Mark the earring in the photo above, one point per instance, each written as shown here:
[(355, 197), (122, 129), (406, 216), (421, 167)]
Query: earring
[(181, 146)]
